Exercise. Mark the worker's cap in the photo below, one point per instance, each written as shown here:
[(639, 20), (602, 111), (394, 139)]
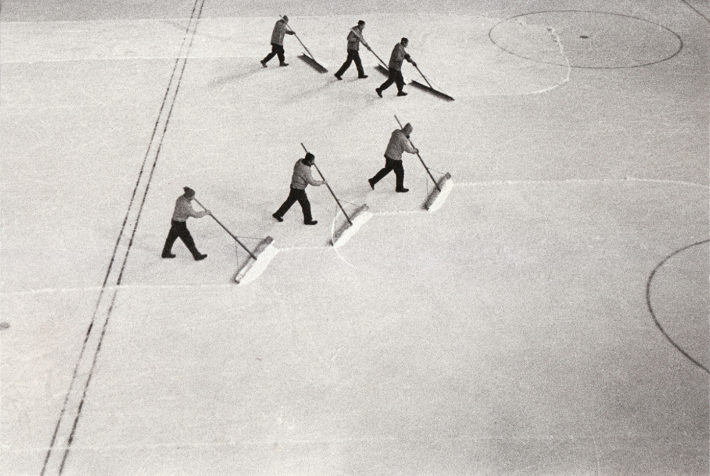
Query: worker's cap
[(310, 157), (189, 193), (361, 22), (407, 128)]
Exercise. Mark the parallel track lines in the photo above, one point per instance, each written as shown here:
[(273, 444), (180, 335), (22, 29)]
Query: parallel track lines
[(64, 433)]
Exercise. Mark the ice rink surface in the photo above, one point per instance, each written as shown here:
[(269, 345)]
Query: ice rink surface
[(550, 318)]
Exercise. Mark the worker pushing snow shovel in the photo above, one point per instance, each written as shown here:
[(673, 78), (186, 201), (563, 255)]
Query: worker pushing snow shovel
[(178, 225), (354, 220), (355, 37), (442, 187), (282, 28), (394, 73), (399, 143), (277, 41), (399, 54), (257, 259), (300, 179)]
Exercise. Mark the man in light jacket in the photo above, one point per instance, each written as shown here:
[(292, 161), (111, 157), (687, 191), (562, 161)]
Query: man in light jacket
[(300, 179), (277, 41), (399, 143), (178, 225), (395, 68), (354, 39)]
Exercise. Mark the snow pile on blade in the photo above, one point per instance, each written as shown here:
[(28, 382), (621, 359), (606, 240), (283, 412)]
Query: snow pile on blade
[(438, 196), (254, 266), (343, 233)]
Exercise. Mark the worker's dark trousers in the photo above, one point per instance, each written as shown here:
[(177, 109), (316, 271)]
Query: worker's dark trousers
[(353, 55), (276, 50), (394, 77), (299, 196), (178, 229), (390, 165)]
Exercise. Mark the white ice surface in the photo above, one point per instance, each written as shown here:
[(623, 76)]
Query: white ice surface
[(507, 333)]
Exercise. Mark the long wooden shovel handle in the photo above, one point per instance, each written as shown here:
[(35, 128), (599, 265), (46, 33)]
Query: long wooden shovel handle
[(427, 81), (299, 40), (420, 157), (362, 39), (227, 230), (380, 59), (330, 189)]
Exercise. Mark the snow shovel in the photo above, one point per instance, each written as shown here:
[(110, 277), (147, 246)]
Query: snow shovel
[(354, 221), (428, 87), (308, 57), (442, 186), (249, 270)]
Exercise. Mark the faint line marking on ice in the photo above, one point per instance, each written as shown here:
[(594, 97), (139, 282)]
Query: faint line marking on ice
[(658, 25), (565, 80), (335, 248), (304, 248), (596, 456), (300, 441), (125, 287), (653, 314), (135, 226), (696, 10), (581, 181), (400, 212), (552, 451), (119, 239)]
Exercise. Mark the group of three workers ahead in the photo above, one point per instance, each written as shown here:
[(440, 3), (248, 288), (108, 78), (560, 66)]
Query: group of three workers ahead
[(300, 179), (355, 37)]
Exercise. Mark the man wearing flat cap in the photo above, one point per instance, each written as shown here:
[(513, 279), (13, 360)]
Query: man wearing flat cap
[(300, 179), (399, 55), (354, 39), (277, 41), (398, 144), (178, 225)]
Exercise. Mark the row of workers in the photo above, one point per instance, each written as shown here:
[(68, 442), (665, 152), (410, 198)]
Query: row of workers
[(302, 177), (355, 37)]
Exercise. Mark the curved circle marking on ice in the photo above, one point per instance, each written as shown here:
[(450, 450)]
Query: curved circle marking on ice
[(656, 320), (591, 39)]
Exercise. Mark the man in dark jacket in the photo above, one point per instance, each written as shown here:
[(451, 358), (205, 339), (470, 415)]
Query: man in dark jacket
[(277, 42), (395, 68), (354, 39), (399, 142), (300, 179), (178, 225)]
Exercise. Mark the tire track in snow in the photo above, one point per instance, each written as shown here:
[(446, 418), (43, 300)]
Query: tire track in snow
[(70, 413)]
